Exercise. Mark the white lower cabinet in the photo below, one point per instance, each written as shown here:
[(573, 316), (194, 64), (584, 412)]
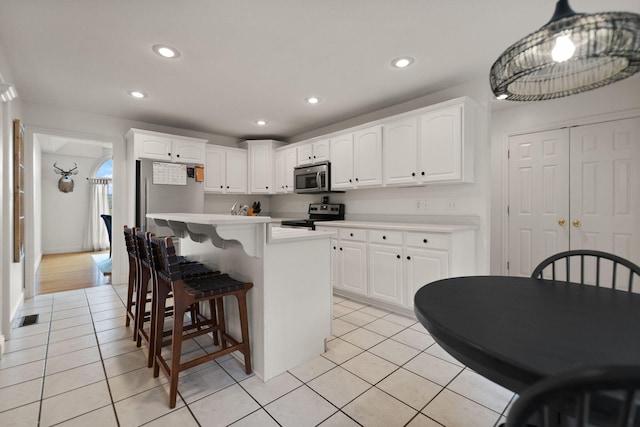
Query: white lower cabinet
[(352, 266), (385, 273), (388, 267), (352, 260), (423, 266)]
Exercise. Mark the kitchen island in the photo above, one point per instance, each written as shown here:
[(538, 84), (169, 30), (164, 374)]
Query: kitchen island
[(290, 303)]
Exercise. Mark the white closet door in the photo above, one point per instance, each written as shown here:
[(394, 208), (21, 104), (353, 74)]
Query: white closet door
[(538, 198), (605, 187), (574, 189)]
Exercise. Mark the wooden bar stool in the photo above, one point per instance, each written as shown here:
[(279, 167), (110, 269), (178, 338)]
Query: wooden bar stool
[(146, 286), (133, 277), (189, 293), (144, 293)]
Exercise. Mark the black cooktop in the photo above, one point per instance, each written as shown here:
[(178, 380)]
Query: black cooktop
[(318, 212)]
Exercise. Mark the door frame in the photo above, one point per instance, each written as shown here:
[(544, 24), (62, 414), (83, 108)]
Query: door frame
[(119, 199), (504, 150)]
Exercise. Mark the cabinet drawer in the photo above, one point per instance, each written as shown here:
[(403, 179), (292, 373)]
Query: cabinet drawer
[(353, 234), (385, 236), (333, 230), (428, 240)]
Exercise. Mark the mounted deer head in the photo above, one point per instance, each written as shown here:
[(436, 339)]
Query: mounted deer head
[(65, 183)]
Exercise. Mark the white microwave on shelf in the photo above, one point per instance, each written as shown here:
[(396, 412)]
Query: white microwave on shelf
[(313, 178)]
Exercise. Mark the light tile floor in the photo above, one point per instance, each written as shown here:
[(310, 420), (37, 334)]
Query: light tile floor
[(78, 366)]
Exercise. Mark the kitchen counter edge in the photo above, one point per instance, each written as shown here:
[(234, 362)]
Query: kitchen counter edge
[(432, 228)]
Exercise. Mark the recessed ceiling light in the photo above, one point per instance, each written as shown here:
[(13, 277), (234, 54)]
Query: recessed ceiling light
[(402, 62), (313, 100), (137, 94), (166, 51), (261, 122)]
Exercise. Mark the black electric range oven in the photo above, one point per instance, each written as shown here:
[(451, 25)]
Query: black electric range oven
[(318, 212)]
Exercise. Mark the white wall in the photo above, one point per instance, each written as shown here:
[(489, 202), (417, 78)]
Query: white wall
[(614, 101), (65, 217), (12, 272), (222, 203)]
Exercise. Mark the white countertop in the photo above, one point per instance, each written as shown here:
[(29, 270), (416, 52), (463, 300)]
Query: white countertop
[(210, 219), (287, 234), (400, 226)]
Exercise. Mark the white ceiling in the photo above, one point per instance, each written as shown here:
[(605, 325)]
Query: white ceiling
[(243, 60), (66, 146)]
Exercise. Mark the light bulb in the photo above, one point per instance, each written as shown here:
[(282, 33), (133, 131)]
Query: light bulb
[(563, 49)]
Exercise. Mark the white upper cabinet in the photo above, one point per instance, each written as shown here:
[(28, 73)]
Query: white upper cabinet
[(261, 165), (225, 170), (286, 158), (400, 150), (313, 152), (342, 162), (166, 147), (367, 157), (435, 146), (356, 159), (441, 145)]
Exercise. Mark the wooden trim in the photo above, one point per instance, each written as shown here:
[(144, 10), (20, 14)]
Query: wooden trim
[(18, 191)]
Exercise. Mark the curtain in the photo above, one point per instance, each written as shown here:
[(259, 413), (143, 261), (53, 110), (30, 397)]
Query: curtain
[(97, 237)]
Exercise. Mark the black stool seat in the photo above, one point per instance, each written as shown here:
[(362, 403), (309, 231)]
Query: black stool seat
[(194, 270), (202, 287)]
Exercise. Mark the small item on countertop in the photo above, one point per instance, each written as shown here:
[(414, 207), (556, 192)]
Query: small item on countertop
[(256, 207), (250, 211)]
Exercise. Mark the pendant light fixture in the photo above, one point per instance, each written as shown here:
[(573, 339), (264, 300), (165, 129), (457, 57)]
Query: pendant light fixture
[(572, 53)]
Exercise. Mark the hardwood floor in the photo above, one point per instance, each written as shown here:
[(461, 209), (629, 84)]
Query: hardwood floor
[(69, 271)]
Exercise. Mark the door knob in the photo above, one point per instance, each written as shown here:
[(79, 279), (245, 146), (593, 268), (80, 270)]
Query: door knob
[(577, 223), (562, 222)]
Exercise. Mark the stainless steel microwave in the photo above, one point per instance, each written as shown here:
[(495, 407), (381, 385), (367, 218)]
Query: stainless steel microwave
[(313, 178)]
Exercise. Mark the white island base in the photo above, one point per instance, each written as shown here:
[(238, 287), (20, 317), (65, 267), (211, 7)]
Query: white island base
[(290, 302)]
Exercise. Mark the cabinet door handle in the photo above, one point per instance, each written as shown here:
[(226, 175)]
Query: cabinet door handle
[(562, 222), (351, 234), (422, 173), (334, 248), (357, 180), (168, 154), (413, 174), (577, 223), (384, 237), (340, 248), (398, 256), (409, 258), (425, 241), (177, 155), (267, 187)]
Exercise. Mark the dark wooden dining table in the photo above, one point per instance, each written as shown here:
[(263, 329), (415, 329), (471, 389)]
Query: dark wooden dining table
[(518, 330)]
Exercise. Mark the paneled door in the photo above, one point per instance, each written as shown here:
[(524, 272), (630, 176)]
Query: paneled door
[(538, 198), (574, 188)]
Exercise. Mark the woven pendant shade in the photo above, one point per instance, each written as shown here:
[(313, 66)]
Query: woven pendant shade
[(607, 49)]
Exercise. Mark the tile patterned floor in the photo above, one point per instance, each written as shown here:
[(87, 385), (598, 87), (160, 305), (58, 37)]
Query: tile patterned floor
[(78, 366)]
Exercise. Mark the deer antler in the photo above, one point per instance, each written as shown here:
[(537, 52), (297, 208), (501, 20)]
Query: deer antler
[(63, 172), (57, 169)]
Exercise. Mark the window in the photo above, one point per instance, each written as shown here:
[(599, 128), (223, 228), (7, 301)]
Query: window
[(105, 170)]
